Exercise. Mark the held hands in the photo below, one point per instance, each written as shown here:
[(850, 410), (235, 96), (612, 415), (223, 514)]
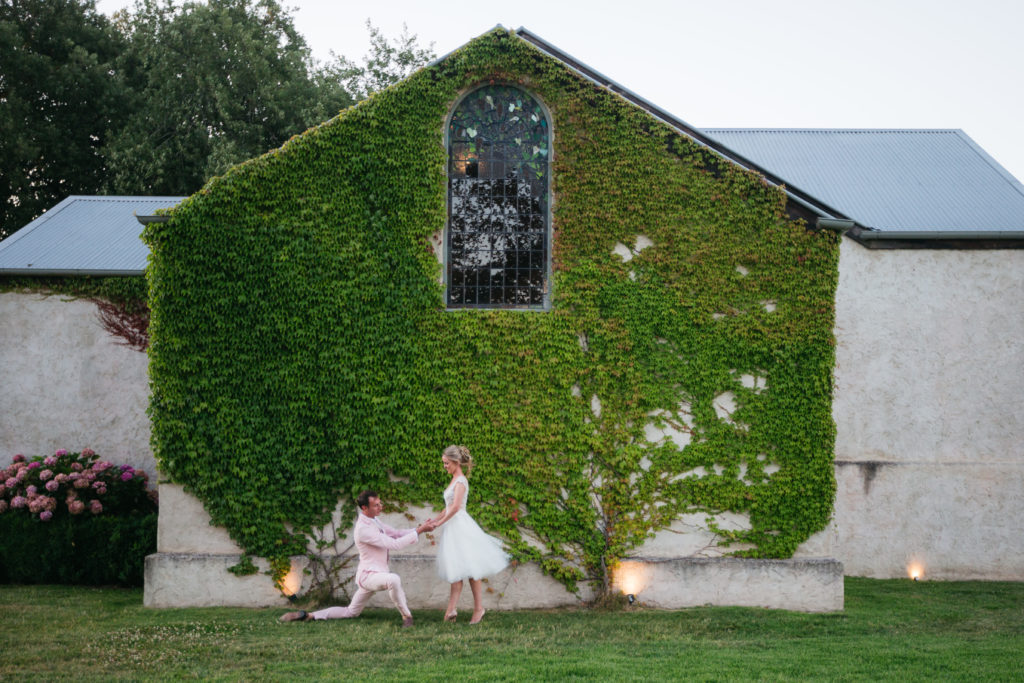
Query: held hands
[(428, 525)]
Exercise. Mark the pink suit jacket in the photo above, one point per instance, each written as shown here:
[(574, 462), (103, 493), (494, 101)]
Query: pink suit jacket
[(374, 540)]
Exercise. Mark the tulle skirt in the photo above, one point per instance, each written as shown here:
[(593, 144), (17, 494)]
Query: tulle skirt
[(465, 551)]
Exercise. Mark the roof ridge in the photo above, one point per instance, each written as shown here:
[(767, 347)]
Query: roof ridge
[(124, 197)]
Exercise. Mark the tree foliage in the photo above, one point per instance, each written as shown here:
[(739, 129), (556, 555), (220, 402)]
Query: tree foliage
[(212, 84), (161, 98), (59, 99), (383, 65)]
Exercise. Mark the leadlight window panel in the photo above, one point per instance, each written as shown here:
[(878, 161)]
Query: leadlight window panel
[(498, 244)]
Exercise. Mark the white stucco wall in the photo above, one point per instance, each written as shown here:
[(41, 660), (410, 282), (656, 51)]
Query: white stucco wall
[(67, 384), (929, 410)]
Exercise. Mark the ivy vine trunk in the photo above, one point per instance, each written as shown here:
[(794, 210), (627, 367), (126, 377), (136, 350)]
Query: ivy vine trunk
[(301, 348)]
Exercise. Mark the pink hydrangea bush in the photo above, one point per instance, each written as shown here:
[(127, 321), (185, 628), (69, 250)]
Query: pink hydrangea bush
[(68, 483)]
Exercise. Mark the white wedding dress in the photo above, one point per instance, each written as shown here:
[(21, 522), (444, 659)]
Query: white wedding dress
[(466, 551)]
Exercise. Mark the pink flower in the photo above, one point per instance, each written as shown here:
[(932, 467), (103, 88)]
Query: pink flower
[(76, 467), (88, 452), (52, 486), (95, 507), (3, 506), (35, 465), (127, 476), (49, 503), (19, 458), (50, 460), (35, 504), (81, 483), (31, 491), (21, 475), (11, 482), (45, 474), (102, 465), (101, 490), (60, 452), (19, 502), (61, 478), (45, 515), (75, 507)]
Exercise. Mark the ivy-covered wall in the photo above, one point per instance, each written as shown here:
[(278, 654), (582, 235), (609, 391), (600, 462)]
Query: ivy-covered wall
[(300, 348)]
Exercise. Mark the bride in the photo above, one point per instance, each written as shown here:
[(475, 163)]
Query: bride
[(465, 551)]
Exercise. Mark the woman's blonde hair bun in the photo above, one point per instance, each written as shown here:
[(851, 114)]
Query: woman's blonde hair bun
[(459, 454)]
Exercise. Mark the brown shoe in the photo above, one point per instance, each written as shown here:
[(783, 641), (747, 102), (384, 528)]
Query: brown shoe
[(301, 615), (406, 622)]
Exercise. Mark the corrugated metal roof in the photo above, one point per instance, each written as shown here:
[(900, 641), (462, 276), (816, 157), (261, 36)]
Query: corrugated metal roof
[(893, 180), (699, 136), (83, 236)]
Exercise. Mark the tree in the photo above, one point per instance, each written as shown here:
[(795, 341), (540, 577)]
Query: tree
[(385, 64), (162, 97), (59, 100), (212, 84)]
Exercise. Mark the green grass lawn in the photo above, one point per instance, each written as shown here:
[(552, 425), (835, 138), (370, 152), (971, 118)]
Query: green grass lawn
[(890, 630)]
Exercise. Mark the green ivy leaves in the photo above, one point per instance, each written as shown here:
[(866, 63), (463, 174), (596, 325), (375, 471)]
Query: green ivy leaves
[(301, 351)]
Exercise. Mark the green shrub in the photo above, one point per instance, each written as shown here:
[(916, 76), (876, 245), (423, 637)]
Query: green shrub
[(94, 551), (75, 519)]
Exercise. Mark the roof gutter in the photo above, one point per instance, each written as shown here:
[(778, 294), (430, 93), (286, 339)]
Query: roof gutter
[(68, 272), (842, 226), (869, 235), (873, 238)]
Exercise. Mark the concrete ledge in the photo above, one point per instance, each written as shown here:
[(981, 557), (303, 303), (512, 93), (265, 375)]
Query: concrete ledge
[(192, 580), (806, 585), (203, 580), (802, 585)]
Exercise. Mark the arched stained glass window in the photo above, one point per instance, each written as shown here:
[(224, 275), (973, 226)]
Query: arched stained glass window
[(498, 246)]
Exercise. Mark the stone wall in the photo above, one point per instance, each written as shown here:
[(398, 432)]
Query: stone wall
[(929, 398), (66, 383), (192, 559)]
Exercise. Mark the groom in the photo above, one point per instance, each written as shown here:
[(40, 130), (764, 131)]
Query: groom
[(373, 540)]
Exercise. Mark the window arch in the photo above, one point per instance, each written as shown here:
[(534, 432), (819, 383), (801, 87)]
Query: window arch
[(497, 250)]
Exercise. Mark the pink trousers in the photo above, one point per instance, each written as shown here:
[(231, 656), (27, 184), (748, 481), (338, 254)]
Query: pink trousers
[(377, 581)]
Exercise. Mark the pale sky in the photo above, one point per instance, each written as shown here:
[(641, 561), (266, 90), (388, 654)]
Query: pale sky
[(749, 63)]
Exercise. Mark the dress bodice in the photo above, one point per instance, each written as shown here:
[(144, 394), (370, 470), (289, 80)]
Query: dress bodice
[(449, 493)]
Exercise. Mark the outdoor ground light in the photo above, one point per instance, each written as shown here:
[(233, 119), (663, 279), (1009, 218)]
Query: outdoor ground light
[(291, 583)]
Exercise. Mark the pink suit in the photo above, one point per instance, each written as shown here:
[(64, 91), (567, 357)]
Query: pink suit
[(374, 540)]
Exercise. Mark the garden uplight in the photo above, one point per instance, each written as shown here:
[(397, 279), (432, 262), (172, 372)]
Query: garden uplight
[(631, 578), (292, 582)]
